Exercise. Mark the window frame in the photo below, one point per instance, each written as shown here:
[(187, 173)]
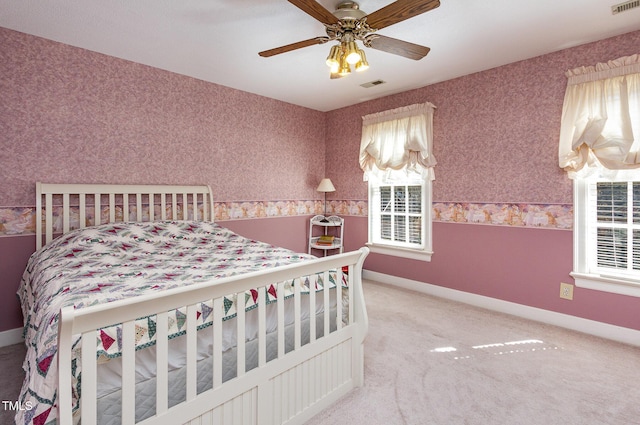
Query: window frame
[(584, 271), (422, 252)]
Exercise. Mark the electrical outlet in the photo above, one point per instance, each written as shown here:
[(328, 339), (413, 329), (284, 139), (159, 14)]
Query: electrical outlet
[(566, 291)]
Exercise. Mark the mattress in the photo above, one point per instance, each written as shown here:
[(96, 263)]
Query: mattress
[(120, 260)]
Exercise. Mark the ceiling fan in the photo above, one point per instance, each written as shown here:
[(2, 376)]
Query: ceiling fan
[(348, 24)]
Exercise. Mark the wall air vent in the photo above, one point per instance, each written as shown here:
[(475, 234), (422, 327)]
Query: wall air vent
[(623, 7), (376, 82)]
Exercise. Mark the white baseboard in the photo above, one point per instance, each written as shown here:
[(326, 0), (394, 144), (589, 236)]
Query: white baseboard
[(10, 337), (592, 327)]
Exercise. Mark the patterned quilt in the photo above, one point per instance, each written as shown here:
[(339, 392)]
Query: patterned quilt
[(121, 260)]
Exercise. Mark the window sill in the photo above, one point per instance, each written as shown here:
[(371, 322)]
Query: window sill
[(607, 284), (413, 254)]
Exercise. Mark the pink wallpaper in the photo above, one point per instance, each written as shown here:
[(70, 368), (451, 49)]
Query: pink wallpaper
[(495, 132), (71, 115), (496, 142)]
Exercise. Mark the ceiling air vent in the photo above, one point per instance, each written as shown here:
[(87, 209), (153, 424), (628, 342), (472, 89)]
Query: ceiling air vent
[(623, 7), (376, 82)]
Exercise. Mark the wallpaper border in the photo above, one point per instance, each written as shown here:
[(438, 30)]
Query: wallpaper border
[(21, 220), (533, 215)]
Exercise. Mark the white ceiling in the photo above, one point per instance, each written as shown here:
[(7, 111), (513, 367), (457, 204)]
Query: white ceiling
[(219, 40)]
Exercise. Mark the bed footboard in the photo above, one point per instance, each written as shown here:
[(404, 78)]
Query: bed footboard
[(319, 361)]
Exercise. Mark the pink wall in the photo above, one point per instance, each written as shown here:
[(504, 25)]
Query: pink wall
[(495, 132), (14, 253), (495, 140), (69, 114), (515, 264), (287, 232)]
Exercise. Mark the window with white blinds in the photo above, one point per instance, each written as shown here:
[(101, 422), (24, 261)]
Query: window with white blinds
[(614, 216), (399, 215), (599, 147)]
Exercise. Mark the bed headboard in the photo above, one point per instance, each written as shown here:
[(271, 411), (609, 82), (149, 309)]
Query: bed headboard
[(63, 207)]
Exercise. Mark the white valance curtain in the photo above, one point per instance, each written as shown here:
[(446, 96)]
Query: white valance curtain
[(601, 117), (398, 139)]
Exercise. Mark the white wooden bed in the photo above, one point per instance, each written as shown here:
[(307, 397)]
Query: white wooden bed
[(317, 359)]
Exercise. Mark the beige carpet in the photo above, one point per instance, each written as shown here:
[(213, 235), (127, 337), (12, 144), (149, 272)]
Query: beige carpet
[(504, 370)]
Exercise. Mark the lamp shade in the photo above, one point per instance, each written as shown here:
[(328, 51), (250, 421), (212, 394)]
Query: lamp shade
[(326, 186)]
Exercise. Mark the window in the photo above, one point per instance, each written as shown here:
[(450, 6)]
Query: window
[(396, 157), (600, 149), (617, 233), (607, 233), (400, 216), (400, 209)]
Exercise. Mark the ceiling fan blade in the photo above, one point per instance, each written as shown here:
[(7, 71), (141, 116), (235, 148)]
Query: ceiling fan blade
[(316, 10), (398, 47), (294, 46), (398, 11)]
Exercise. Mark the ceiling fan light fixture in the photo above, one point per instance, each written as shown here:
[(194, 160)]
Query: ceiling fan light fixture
[(333, 60), (345, 68), (362, 64), (351, 52), (348, 24)]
